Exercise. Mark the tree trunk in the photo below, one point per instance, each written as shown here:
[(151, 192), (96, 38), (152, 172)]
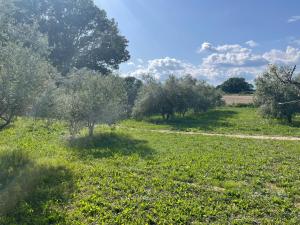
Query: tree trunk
[(168, 116), (91, 130), (289, 119), (7, 122)]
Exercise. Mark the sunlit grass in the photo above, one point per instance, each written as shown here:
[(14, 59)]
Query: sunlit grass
[(131, 177), (230, 120)]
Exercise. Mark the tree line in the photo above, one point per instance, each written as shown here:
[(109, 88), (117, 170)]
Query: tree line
[(57, 61)]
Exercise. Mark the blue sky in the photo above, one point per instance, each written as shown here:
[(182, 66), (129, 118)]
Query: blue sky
[(209, 39)]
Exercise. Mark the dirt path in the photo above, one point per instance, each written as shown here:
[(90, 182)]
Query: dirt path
[(241, 136)]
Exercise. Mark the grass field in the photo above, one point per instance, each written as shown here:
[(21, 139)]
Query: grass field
[(124, 176), (226, 120)]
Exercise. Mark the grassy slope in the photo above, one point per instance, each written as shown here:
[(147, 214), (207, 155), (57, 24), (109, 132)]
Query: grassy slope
[(133, 177), (223, 120)]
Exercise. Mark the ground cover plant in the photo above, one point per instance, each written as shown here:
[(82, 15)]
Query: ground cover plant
[(227, 120), (123, 176)]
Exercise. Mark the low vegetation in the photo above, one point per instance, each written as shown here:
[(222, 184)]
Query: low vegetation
[(226, 120), (131, 177), (79, 144)]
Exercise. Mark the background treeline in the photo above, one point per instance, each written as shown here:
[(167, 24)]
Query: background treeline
[(58, 60)]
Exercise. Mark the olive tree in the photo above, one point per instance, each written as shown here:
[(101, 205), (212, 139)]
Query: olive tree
[(176, 95), (92, 99), (132, 86), (150, 100), (24, 75), (272, 95)]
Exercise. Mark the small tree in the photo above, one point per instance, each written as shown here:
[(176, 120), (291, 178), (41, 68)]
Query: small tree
[(272, 94), (236, 85), (50, 104), (92, 99), (205, 97), (24, 75), (150, 100)]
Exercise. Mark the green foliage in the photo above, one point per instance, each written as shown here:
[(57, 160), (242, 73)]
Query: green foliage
[(26, 35), (271, 95), (236, 85), (132, 177), (175, 96), (79, 33), (132, 86), (23, 77), (92, 99)]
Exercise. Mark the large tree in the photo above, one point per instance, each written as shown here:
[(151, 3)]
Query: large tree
[(79, 33), (236, 85)]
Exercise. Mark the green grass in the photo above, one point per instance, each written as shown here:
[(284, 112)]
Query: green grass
[(228, 120), (131, 177)]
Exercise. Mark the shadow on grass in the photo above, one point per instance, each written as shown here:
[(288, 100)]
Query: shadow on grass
[(295, 123), (204, 121), (106, 145), (31, 193)]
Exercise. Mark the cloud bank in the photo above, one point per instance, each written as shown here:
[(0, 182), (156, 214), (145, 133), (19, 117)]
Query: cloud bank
[(218, 63)]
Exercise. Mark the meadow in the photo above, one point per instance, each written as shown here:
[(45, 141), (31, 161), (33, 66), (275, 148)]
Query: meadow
[(132, 176), (224, 120)]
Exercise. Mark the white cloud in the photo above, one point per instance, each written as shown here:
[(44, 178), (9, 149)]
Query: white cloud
[(251, 43), (206, 46), (220, 63), (290, 56), (233, 56), (162, 68), (293, 19)]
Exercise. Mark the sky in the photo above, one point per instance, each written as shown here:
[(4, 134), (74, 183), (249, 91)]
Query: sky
[(212, 40)]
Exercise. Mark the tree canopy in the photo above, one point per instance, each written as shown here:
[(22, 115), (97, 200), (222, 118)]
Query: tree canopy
[(23, 77), (79, 33), (236, 85), (91, 99)]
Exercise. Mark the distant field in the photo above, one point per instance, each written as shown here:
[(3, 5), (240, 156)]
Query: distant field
[(238, 99), (125, 176)]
